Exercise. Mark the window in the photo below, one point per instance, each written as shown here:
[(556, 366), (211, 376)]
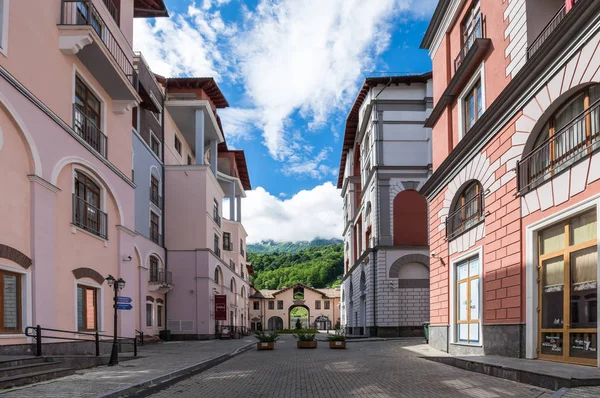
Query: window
[(157, 116), (256, 305), (10, 302), (468, 301), (471, 26), (317, 304), (327, 304), (153, 269), (87, 308), (189, 160), (86, 206), (216, 245), (279, 304), (232, 285), (154, 144), (468, 210), (87, 117), (216, 216), (149, 314), (473, 104), (154, 223), (242, 247), (298, 293), (159, 315), (154, 196), (216, 277), (227, 241), (271, 305), (4, 26), (177, 145)]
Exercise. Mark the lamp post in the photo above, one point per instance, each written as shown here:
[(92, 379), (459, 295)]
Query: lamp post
[(116, 285)]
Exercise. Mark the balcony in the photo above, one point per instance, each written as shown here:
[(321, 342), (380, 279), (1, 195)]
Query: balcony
[(156, 237), (577, 140), (161, 281), (89, 131), (148, 88), (465, 217), (477, 33), (86, 34), (547, 31), (155, 198), (218, 252), (89, 217), (217, 219)]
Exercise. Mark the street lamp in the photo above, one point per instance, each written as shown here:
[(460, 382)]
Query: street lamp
[(116, 285)]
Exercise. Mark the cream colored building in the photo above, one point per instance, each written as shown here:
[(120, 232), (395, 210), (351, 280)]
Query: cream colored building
[(279, 309)]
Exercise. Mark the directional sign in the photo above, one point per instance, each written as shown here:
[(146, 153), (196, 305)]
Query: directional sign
[(123, 300), (124, 306)]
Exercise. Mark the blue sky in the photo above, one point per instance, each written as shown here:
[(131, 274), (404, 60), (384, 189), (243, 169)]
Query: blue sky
[(290, 70)]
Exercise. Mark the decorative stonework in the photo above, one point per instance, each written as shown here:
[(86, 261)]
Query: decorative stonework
[(88, 273), (409, 258), (467, 240), (516, 36), (71, 45), (15, 255), (149, 298)]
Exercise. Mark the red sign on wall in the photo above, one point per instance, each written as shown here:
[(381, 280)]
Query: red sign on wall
[(220, 307)]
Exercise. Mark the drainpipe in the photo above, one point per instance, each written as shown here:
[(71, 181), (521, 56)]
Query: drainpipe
[(164, 199)]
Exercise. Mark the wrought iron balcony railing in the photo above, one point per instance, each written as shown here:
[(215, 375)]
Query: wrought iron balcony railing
[(155, 198), (578, 139), (161, 276), (546, 32), (156, 237), (83, 12), (112, 10), (465, 217), (89, 131), (217, 219), (89, 217), (476, 33), (218, 252)]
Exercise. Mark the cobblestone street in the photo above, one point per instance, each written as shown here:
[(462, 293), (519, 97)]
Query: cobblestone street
[(365, 369)]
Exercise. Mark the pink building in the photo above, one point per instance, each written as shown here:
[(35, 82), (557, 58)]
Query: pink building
[(516, 185)]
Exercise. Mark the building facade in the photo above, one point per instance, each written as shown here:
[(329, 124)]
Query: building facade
[(282, 309), (515, 191), (386, 158)]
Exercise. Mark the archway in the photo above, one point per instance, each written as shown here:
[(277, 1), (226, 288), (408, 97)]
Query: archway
[(322, 322), (299, 313), (275, 323)]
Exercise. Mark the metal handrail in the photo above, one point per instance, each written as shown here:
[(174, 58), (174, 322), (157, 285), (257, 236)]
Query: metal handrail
[(161, 276), (38, 336), (477, 33), (546, 32), (83, 12), (217, 219), (457, 224), (155, 198), (112, 10), (156, 237), (87, 129), (566, 146), (89, 217)]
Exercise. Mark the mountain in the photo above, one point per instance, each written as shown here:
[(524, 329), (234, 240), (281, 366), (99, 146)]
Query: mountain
[(271, 246), (319, 266)]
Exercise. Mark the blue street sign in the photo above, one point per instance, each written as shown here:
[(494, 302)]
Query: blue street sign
[(124, 306), (123, 300)]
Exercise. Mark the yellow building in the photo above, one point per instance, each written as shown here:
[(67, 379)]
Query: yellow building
[(280, 309)]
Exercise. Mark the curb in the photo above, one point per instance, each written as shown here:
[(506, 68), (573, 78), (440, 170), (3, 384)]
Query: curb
[(150, 386), (559, 393)]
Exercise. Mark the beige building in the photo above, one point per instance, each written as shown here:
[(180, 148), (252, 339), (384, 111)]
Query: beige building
[(280, 309)]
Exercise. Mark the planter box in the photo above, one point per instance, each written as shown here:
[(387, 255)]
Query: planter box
[(265, 346), (337, 344), (306, 344)]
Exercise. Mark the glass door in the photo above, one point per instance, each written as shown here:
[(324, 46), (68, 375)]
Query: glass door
[(568, 263)]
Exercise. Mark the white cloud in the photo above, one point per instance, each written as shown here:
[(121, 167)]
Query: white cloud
[(305, 216)]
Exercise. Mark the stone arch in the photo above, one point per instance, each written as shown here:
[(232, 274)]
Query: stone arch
[(411, 222), (218, 276), (292, 323), (161, 261), (275, 323), (15, 255), (138, 255), (408, 259), (90, 168), (29, 141), (150, 298), (88, 273)]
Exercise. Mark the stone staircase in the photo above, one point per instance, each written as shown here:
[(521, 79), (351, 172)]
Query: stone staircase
[(21, 370)]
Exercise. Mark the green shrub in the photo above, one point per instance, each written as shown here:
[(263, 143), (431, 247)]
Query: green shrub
[(337, 337), (305, 336), (266, 337), (295, 331)]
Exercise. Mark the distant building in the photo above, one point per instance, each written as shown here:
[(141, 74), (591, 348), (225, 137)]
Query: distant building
[(386, 158)]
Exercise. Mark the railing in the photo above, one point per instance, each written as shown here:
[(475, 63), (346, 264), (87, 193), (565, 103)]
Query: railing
[(155, 198), (217, 219), (218, 252), (83, 12), (232, 331), (89, 131), (477, 33), (571, 143), (36, 333), (139, 335), (465, 217), (546, 32), (89, 217), (156, 237), (228, 246), (161, 276)]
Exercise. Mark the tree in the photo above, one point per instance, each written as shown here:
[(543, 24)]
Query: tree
[(298, 324)]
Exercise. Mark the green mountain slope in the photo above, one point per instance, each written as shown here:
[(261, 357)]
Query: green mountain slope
[(316, 266), (270, 246)]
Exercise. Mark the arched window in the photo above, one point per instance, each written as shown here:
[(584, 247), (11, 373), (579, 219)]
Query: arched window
[(467, 210), (572, 132), (87, 205), (153, 269), (298, 293), (232, 286), (410, 219), (217, 277)]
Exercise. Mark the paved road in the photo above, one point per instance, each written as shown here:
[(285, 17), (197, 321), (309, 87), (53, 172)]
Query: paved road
[(365, 369)]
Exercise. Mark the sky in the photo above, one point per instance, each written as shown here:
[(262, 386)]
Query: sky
[(290, 70)]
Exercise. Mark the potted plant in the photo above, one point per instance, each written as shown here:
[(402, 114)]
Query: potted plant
[(306, 340), (338, 340), (266, 341)]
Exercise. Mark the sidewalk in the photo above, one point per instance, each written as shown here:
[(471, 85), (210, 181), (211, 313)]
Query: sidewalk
[(155, 364)]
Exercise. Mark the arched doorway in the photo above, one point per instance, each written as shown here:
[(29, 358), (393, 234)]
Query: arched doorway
[(322, 323), (275, 323), (301, 313)]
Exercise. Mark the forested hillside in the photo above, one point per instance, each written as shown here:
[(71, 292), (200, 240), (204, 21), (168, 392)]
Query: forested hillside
[(270, 246), (317, 266)]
